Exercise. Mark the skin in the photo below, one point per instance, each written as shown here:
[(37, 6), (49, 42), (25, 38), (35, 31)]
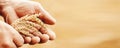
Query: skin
[(9, 37), (16, 9)]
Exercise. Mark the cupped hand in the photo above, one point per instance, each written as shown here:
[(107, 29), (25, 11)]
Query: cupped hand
[(9, 37), (16, 9)]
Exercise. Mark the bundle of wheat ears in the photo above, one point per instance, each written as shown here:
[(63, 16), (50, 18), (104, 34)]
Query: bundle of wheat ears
[(27, 25)]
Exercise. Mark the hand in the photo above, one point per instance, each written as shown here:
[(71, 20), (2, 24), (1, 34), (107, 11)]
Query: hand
[(9, 37), (20, 8)]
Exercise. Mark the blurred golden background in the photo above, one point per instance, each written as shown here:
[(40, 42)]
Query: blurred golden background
[(83, 23)]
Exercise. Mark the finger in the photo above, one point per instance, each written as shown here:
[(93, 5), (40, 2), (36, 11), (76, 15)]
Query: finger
[(14, 46), (27, 39), (17, 41), (44, 37), (5, 38), (17, 38), (8, 45), (9, 14), (43, 30), (51, 34), (8, 42), (45, 16), (35, 40)]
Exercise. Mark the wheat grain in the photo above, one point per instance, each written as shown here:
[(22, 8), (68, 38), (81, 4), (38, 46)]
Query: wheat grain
[(26, 24)]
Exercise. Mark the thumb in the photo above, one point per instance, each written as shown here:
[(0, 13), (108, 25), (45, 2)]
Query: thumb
[(9, 14), (45, 16)]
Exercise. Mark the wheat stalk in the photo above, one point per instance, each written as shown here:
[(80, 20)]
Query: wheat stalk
[(27, 23)]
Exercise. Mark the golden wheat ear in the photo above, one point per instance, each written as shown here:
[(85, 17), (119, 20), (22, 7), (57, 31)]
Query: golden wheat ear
[(26, 24), (1, 18)]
